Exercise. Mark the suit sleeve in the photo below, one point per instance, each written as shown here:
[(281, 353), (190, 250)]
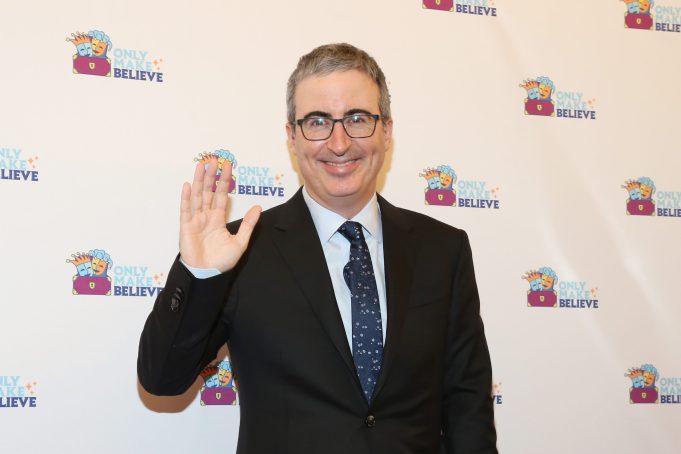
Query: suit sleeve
[(468, 412), (184, 331)]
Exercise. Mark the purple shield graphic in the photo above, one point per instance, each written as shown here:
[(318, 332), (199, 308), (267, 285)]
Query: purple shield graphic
[(92, 65), (445, 197), (539, 107), (232, 185), (641, 207), (218, 396), (640, 21), (541, 299), (443, 5), (89, 285), (643, 395)]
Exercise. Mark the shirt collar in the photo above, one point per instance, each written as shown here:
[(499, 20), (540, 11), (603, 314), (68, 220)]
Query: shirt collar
[(327, 222)]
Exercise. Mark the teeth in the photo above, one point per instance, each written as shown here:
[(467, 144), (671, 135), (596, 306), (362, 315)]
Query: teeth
[(340, 164)]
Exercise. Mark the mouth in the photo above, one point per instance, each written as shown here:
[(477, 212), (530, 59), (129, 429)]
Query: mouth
[(341, 168)]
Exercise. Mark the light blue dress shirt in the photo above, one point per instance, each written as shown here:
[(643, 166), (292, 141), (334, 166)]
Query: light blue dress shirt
[(337, 253)]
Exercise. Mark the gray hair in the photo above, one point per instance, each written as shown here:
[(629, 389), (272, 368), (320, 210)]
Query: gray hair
[(330, 58)]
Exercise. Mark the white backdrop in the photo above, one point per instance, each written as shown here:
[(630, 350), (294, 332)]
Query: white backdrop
[(112, 154)]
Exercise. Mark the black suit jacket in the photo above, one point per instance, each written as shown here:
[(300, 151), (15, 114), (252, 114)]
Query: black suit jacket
[(298, 386)]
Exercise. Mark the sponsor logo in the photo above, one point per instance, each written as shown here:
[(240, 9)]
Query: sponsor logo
[(97, 275), (246, 180), (547, 291), (496, 394), (544, 100), (444, 188), (17, 166), (647, 15), (474, 7), (17, 393), (219, 387), (93, 57), (642, 203)]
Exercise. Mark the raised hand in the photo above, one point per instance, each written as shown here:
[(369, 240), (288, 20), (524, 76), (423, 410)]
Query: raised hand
[(205, 241)]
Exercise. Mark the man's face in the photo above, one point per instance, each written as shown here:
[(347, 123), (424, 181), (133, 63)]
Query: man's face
[(644, 6), (649, 379), (544, 91), (339, 172)]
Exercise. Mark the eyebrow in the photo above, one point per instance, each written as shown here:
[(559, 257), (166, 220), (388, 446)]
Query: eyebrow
[(319, 113)]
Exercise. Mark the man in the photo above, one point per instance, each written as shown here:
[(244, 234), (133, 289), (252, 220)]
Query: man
[(346, 337)]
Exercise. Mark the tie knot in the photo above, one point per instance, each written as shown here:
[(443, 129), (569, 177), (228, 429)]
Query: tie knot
[(352, 231)]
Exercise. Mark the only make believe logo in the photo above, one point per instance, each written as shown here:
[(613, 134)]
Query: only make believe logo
[(641, 202), (643, 14), (573, 294), (567, 104), (644, 391), (14, 166), (246, 180), (496, 393), (15, 393), (219, 387), (444, 189), (92, 276), (475, 7), (91, 57)]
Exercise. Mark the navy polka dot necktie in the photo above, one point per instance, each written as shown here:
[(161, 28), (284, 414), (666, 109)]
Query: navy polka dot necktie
[(367, 330)]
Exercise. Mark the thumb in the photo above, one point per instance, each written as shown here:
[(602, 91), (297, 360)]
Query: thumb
[(247, 225)]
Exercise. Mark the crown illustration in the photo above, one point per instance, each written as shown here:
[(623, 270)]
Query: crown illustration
[(531, 275), (634, 372), (78, 38), (208, 372), (528, 84), (79, 258), (206, 156), (430, 173), (631, 184)]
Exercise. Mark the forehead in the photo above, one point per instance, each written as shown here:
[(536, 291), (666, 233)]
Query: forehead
[(336, 93)]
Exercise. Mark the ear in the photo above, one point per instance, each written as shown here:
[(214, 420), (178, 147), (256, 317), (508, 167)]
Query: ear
[(291, 137), (388, 134)]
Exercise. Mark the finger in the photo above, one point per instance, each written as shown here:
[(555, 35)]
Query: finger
[(208, 182), (220, 198), (196, 196), (247, 225), (185, 201)]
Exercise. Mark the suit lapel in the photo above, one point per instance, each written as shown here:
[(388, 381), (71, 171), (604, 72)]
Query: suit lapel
[(297, 240), (399, 249)]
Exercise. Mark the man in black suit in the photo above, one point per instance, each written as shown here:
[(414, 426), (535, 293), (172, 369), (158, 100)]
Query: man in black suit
[(353, 326)]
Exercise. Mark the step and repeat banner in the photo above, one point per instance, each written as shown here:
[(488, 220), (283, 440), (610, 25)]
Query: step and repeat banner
[(549, 131)]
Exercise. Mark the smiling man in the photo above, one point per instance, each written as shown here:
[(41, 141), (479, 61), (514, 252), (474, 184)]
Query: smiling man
[(345, 335)]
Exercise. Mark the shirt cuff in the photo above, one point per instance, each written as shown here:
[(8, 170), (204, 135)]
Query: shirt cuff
[(201, 273)]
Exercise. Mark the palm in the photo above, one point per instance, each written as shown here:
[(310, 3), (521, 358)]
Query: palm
[(205, 241)]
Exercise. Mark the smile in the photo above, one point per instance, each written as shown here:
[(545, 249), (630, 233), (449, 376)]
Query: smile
[(340, 164)]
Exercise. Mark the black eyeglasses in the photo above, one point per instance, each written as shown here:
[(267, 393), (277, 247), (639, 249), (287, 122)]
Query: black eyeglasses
[(356, 126)]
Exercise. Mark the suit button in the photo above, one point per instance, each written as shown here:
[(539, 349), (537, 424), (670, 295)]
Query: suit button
[(174, 304), (370, 421)]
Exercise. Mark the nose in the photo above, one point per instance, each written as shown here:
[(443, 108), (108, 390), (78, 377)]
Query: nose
[(339, 142)]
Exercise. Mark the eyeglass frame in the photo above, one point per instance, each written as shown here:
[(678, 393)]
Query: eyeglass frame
[(300, 121)]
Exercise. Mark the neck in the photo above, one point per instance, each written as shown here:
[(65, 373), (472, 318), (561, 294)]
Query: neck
[(348, 207)]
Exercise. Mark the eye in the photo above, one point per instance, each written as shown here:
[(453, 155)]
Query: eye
[(356, 119), (316, 122)]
